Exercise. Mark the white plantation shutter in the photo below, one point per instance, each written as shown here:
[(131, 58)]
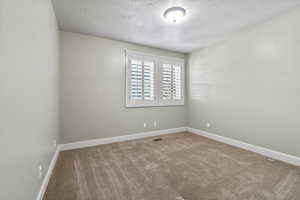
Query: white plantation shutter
[(177, 83), (136, 80), (153, 80), (140, 81), (171, 84), (149, 81), (166, 81)]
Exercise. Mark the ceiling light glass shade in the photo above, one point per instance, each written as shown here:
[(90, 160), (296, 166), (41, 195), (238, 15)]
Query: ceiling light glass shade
[(174, 14)]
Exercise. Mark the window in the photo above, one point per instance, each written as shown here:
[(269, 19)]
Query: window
[(153, 80)]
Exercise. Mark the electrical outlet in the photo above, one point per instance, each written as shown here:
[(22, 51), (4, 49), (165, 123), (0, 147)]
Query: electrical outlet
[(54, 143), (40, 171), (145, 125), (207, 124), (154, 123)]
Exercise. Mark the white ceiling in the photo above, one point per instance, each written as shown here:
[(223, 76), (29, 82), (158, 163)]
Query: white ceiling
[(141, 22)]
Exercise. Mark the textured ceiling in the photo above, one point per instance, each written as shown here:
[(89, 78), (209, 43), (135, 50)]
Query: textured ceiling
[(141, 22)]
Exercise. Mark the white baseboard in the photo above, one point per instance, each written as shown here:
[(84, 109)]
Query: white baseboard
[(250, 147), (48, 175), (95, 142)]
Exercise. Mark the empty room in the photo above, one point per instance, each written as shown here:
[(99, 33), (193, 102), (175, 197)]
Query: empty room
[(150, 99)]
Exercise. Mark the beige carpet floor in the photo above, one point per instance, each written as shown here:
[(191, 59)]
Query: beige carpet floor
[(181, 166)]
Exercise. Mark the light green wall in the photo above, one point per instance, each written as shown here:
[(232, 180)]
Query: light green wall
[(28, 95), (93, 91), (248, 87)]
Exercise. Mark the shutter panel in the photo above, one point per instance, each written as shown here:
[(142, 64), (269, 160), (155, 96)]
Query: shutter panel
[(171, 84), (149, 84), (140, 81), (136, 79), (177, 83), (166, 82)]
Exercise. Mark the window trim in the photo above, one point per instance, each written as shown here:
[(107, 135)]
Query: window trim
[(158, 60)]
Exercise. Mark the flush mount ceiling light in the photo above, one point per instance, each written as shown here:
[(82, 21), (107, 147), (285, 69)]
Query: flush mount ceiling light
[(174, 14)]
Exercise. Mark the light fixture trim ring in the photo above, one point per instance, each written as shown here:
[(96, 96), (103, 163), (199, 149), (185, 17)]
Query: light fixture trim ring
[(174, 9)]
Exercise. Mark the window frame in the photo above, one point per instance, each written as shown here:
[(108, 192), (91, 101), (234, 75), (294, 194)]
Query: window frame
[(157, 60)]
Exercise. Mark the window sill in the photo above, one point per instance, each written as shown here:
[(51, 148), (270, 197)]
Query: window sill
[(154, 105)]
